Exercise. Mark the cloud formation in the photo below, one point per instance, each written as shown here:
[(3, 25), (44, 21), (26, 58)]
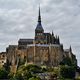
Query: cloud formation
[(18, 19)]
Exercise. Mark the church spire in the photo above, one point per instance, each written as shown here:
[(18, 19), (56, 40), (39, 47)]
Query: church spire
[(52, 33), (58, 40), (70, 49), (39, 17), (39, 25)]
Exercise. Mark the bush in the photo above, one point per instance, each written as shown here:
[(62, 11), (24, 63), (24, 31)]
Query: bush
[(56, 70), (22, 73), (67, 72), (33, 68), (3, 74), (34, 78), (66, 61)]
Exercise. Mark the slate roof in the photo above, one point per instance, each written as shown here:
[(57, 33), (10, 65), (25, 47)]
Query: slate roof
[(39, 27), (26, 40), (47, 34), (66, 50)]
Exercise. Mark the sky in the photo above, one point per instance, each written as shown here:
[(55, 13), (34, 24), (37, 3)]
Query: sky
[(18, 19)]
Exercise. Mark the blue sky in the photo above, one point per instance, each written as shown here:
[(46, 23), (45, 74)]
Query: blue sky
[(18, 19)]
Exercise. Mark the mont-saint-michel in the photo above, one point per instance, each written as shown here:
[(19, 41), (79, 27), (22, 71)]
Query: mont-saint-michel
[(44, 50)]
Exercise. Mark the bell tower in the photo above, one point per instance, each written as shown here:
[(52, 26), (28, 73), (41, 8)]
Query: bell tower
[(39, 36)]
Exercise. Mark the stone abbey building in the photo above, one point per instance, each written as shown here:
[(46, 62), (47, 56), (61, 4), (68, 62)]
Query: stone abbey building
[(44, 49)]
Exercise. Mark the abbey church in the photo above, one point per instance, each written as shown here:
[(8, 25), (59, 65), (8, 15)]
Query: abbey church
[(44, 49)]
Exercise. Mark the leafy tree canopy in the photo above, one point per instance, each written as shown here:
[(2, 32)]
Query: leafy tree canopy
[(3, 74), (34, 78), (67, 72)]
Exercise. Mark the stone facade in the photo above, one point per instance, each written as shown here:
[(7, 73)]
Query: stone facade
[(44, 54)]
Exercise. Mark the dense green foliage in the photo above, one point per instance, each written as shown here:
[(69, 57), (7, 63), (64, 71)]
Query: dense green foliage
[(34, 68), (27, 72), (3, 74), (66, 61), (68, 68), (67, 72), (34, 78)]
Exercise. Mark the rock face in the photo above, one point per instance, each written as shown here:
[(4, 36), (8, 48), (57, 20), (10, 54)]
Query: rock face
[(44, 49)]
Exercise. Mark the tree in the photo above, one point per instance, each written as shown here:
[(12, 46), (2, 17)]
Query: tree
[(27, 75), (26, 72), (67, 72), (34, 78), (18, 76), (23, 73), (33, 68), (66, 61), (3, 74)]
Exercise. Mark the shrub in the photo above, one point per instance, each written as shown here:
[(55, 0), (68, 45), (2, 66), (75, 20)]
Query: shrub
[(67, 72)]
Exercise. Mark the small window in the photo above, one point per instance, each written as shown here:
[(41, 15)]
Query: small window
[(3, 56), (2, 61)]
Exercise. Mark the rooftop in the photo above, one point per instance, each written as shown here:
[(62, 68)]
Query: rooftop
[(26, 40)]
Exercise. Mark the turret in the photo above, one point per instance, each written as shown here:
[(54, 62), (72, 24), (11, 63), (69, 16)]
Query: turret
[(58, 40), (70, 49), (53, 38), (52, 34)]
